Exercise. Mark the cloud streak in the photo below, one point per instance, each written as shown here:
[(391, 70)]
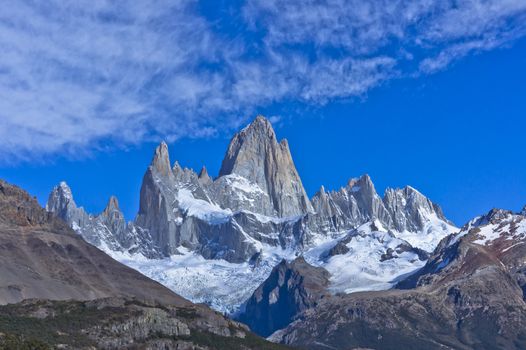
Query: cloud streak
[(78, 76)]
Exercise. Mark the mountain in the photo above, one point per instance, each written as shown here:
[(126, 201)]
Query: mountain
[(291, 288), (255, 154), (404, 211), (469, 295), (62, 292), (108, 230), (215, 240)]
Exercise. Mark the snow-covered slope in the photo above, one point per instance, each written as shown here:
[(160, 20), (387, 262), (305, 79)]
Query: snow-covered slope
[(216, 240), (367, 258)]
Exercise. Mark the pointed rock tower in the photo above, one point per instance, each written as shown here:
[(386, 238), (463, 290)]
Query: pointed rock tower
[(256, 155), (157, 195), (113, 218), (61, 203)]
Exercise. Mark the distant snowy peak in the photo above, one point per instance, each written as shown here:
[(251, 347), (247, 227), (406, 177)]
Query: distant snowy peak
[(61, 202), (108, 230), (407, 212)]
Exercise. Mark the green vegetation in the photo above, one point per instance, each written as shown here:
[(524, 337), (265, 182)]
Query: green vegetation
[(217, 342), (12, 342), (43, 325)]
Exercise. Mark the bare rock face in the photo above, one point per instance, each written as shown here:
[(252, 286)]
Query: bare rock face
[(291, 288), (61, 203), (113, 218), (204, 178), (156, 214), (255, 154), (410, 209)]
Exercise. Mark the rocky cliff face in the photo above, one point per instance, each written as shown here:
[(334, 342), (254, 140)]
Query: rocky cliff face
[(470, 294), (290, 289), (255, 154), (61, 203)]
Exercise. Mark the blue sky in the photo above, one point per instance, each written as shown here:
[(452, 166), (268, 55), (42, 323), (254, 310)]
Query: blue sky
[(426, 93)]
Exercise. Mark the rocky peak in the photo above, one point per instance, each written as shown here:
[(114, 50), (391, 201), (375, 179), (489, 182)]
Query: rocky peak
[(410, 202), (161, 160), (494, 216), (60, 198), (17, 207), (361, 184), (204, 178), (368, 201), (523, 211), (255, 154), (112, 208), (257, 140), (322, 204), (61, 203), (113, 204), (113, 218), (291, 288)]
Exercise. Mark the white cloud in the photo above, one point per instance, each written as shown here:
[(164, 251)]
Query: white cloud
[(76, 75)]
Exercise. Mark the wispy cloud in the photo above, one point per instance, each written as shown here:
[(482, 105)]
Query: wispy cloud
[(79, 75)]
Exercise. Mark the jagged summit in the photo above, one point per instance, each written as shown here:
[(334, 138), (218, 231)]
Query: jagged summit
[(113, 203), (161, 159), (112, 208), (364, 180), (256, 139), (61, 202), (255, 154), (62, 190), (203, 177)]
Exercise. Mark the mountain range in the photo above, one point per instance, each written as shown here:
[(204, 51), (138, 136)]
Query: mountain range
[(241, 224), (346, 268), (59, 292)]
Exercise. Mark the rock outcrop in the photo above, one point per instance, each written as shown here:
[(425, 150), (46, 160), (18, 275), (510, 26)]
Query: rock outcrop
[(291, 288), (62, 204)]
